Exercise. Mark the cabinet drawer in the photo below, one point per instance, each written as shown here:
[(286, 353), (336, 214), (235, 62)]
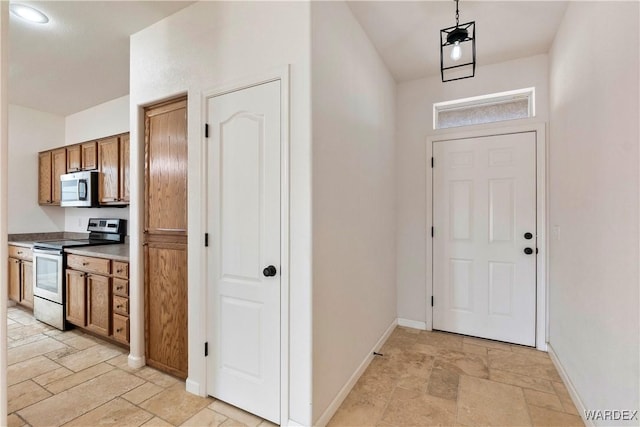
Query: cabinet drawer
[(84, 263), (121, 287), (121, 305), (20, 253), (121, 328), (121, 269)]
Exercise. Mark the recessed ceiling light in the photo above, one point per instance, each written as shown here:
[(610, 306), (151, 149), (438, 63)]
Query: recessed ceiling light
[(28, 13)]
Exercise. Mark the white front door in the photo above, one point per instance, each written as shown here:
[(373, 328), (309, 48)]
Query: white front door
[(484, 244), (244, 248)]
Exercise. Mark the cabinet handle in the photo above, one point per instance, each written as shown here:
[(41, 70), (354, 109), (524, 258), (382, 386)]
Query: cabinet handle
[(119, 288), (81, 274), (119, 330), (85, 263), (118, 306), (117, 271), (19, 252)]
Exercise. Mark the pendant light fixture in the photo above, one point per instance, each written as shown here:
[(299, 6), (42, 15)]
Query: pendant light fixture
[(458, 50)]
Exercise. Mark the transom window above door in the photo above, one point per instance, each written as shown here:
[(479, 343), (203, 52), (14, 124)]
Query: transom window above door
[(495, 107)]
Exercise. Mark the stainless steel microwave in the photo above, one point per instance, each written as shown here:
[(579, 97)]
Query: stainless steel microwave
[(79, 189)]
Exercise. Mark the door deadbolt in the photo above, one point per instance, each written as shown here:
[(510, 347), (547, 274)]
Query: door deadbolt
[(528, 236)]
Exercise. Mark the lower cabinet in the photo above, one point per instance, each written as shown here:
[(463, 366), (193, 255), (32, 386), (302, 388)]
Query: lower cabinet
[(98, 296), (20, 275), (99, 304), (76, 298)]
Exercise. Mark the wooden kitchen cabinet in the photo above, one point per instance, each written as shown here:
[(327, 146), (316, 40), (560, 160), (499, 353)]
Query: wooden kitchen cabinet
[(44, 178), (124, 168), (89, 154), (112, 170), (20, 275), (51, 164), (74, 158), (26, 284), (165, 237), (76, 298), (14, 279), (99, 304), (59, 167), (98, 295)]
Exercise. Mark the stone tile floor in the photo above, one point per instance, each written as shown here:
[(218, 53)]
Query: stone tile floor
[(436, 378), (423, 379), (73, 379)]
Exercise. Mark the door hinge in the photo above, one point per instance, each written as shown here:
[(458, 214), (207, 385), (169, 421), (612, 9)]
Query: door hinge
[(206, 130), (206, 349), (431, 300), (432, 162), (432, 231), (206, 240)]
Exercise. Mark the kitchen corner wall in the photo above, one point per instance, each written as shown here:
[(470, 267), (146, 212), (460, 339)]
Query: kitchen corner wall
[(31, 131), (109, 118)]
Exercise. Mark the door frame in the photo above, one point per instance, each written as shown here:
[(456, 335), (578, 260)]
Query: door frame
[(539, 128), (281, 74)]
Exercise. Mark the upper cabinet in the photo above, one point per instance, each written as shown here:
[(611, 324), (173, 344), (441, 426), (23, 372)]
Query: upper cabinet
[(89, 151), (74, 162), (112, 170), (110, 156), (51, 164)]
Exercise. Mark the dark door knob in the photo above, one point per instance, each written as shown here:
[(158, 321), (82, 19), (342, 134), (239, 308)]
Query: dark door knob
[(269, 271), (528, 236), (527, 251)]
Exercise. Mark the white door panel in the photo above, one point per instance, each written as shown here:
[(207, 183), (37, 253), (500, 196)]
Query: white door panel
[(244, 221), (484, 201)]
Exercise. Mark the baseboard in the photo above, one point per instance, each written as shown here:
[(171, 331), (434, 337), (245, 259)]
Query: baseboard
[(412, 324), (136, 362), (193, 387), (344, 392), (570, 387), (291, 423)]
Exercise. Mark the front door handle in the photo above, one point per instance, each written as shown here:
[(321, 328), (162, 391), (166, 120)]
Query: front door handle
[(528, 251), (269, 271)]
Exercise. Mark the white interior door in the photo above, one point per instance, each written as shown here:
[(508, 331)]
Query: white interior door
[(484, 204), (244, 223)]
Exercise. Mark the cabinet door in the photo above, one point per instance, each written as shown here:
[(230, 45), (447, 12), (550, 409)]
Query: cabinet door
[(89, 156), (166, 169), (166, 307), (14, 279), (76, 298), (124, 168), (73, 158), (59, 166), (26, 283), (108, 158), (44, 178), (99, 304)]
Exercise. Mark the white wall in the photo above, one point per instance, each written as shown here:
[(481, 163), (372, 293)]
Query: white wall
[(594, 324), (106, 119), (195, 50), (354, 292), (31, 131), (415, 101)]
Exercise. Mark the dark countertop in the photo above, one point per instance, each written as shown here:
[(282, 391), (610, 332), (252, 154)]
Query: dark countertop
[(116, 252)]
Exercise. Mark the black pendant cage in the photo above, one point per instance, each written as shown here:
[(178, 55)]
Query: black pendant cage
[(465, 35)]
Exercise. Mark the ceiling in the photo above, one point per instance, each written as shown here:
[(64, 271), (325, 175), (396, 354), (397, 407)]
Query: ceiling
[(406, 34), (81, 57)]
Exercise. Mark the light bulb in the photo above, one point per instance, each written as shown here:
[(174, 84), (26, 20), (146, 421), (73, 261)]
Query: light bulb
[(456, 52)]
